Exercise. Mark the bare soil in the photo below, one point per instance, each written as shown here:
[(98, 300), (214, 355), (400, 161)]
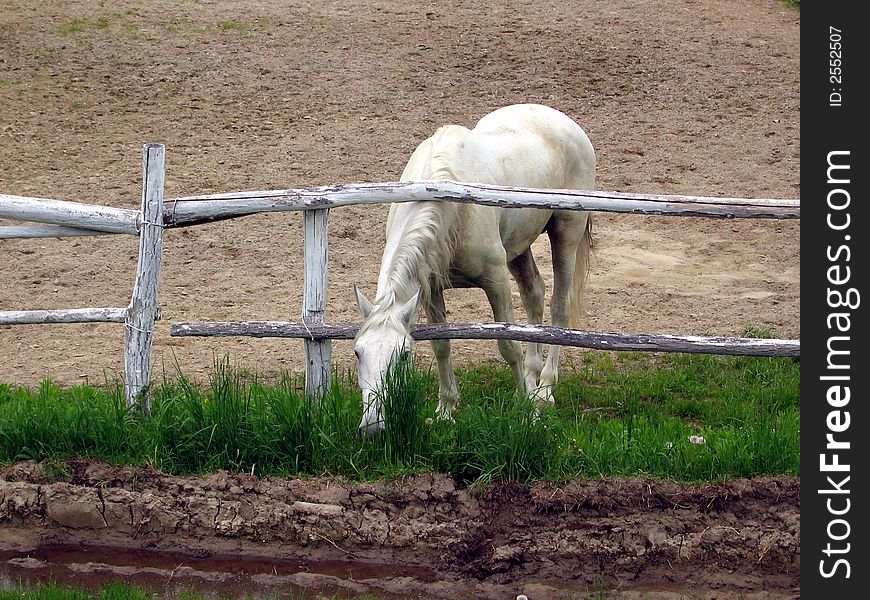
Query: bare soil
[(420, 537), (698, 97), (678, 96)]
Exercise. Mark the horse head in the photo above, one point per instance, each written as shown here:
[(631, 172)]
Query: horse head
[(385, 336)]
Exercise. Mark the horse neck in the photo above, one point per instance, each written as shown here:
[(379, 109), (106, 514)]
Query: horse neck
[(421, 236), (419, 247)]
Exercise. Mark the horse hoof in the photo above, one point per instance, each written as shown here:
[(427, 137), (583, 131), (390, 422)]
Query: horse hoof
[(445, 416)]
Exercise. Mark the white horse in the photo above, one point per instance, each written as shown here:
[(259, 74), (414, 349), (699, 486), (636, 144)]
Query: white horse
[(432, 246)]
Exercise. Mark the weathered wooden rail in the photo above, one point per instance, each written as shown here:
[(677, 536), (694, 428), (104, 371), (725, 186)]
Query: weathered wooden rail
[(75, 219), (63, 315), (62, 219), (504, 331)]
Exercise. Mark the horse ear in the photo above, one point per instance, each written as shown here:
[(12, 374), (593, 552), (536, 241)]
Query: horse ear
[(365, 307), (410, 310)]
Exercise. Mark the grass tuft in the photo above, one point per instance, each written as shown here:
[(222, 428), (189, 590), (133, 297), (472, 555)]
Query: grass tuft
[(123, 591), (615, 415)]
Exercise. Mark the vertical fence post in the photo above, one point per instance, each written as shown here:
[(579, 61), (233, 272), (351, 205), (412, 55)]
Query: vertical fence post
[(318, 353), (142, 311)]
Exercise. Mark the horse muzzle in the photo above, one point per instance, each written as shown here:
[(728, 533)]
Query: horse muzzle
[(372, 420)]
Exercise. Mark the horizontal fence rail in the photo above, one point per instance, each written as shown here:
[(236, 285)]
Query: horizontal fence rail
[(63, 315), (69, 219), (505, 331), (103, 219), (8, 232), (197, 209)]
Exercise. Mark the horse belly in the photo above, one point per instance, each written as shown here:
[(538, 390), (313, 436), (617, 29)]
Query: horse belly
[(520, 227)]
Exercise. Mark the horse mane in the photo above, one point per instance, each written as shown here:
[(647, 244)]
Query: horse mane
[(423, 255)]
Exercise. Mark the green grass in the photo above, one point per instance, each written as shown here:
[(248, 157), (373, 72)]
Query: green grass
[(52, 591), (75, 26), (122, 591), (78, 25), (616, 415), (232, 25), (258, 23)]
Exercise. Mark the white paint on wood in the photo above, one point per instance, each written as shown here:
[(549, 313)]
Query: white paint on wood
[(142, 312), (194, 209), (64, 315), (8, 232), (318, 353), (507, 331), (70, 214)]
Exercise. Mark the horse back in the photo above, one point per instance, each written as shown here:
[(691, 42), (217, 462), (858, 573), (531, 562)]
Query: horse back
[(531, 145), (524, 145)]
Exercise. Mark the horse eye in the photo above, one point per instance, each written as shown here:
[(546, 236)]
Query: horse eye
[(358, 353)]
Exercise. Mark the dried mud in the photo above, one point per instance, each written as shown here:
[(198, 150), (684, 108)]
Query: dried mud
[(419, 537)]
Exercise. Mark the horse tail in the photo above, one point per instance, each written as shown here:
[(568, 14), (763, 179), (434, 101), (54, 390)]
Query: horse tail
[(581, 270)]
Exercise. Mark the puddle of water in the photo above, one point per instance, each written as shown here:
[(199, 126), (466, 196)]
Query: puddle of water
[(167, 573)]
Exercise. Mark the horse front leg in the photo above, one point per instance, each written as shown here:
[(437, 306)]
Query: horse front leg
[(498, 291), (448, 392)]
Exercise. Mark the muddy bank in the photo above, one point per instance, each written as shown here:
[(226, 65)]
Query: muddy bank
[(740, 536)]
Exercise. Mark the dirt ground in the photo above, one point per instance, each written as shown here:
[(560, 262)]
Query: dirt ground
[(418, 538), (678, 96), (696, 97)]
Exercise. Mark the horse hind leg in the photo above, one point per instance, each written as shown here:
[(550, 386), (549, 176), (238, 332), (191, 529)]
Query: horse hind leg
[(448, 391), (531, 286), (570, 243)]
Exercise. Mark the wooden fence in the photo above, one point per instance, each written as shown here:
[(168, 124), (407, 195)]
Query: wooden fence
[(70, 219), (73, 219)]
